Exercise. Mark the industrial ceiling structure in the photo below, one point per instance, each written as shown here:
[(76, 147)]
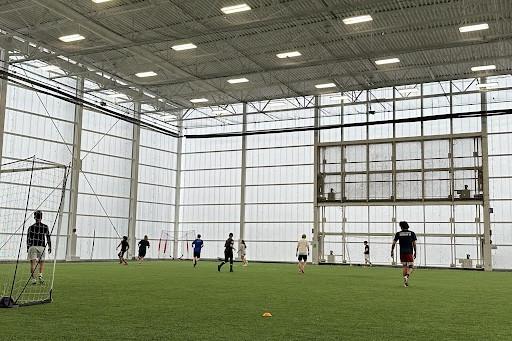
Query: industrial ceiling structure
[(182, 50)]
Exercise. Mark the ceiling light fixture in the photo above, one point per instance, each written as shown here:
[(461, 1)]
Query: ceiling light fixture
[(235, 9), (288, 54), (387, 61), (357, 20), (325, 86), (472, 28), (483, 68), (71, 37), (182, 47), (198, 100), (237, 80), (146, 74)]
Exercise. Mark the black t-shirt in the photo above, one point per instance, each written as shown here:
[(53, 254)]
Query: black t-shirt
[(143, 244), (124, 245), (367, 249), (37, 235), (228, 245), (406, 238)]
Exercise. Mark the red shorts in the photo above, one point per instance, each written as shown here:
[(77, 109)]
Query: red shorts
[(406, 258)]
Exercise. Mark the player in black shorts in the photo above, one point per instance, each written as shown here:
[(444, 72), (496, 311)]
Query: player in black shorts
[(143, 246), (407, 240), (124, 247), (228, 253)]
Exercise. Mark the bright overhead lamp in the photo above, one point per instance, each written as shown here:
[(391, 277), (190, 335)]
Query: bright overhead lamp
[(288, 54), (146, 74), (325, 86), (100, 1), (472, 28), (71, 37), (483, 68), (182, 47), (237, 80), (487, 86), (387, 61), (235, 9), (357, 20), (198, 100)]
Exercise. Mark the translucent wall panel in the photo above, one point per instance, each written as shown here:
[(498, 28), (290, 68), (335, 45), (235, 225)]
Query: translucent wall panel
[(210, 184), (157, 189), (104, 185), (40, 126), (279, 192)]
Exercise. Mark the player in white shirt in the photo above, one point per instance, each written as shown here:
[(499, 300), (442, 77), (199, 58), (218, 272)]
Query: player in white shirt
[(302, 252), (242, 251)]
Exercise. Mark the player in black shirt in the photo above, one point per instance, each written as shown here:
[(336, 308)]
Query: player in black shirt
[(38, 239), (124, 247), (143, 246), (228, 253), (367, 254), (407, 241)]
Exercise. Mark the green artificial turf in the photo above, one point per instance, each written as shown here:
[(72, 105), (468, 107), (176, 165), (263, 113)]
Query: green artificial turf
[(173, 301)]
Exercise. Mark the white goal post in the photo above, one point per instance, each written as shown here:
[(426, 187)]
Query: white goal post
[(29, 248)]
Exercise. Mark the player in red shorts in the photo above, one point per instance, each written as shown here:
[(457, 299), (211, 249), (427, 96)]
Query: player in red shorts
[(407, 240)]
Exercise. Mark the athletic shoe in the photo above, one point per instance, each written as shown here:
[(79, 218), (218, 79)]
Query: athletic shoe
[(33, 280), (218, 268), (41, 280), (406, 281)]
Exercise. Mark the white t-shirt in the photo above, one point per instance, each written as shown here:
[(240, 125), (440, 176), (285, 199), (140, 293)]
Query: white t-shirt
[(302, 247), (241, 249)]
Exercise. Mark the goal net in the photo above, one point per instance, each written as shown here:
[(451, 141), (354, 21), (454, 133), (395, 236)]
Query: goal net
[(31, 203), (184, 241)]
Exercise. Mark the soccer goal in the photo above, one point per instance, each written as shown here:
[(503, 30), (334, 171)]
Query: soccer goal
[(31, 204), (184, 241)]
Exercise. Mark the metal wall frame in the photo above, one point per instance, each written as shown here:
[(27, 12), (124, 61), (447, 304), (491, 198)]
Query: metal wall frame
[(320, 220)]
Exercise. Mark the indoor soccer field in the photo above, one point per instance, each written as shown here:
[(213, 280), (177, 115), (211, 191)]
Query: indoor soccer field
[(369, 141), (169, 300)]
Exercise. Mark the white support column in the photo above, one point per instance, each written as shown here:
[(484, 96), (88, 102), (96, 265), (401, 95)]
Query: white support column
[(134, 185), (177, 192), (243, 174), (4, 64), (76, 166), (316, 214), (486, 252)]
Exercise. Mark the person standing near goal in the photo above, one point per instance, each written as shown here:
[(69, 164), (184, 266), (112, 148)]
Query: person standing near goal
[(228, 253), (143, 246), (38, 238), (367, 254), (124, 247), (407, 240), (197, 244), (302, 253)]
